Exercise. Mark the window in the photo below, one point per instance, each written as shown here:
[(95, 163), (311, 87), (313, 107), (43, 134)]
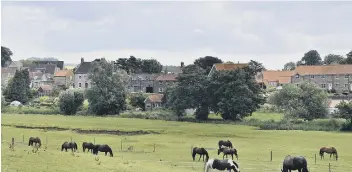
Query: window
[(346, 76), (323, 85), (337, 85), (322, 76), (336, 76), (346, 85), (79, 76), (79, 85), (160, 90), (297, 76), (312, 76), (160, 82), (86, 85)]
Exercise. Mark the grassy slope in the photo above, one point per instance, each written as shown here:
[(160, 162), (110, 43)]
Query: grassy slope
[(172, 147)]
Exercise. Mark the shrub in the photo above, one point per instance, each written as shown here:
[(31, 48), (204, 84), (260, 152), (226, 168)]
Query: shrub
[(30, 110), (347, 126), (70, 101)]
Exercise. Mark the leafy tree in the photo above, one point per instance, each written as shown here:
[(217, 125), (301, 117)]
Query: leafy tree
[(3, 101), (134, 64), (333, 59), (235, 94), (122, 63), (70, 101), (345, 110), (305, 101), (18, 87), (6, 54), (107, 94), (348, 60), (137, 100), (290, 66), (151, 66), (207, 62), (190, 92), (312, 57)]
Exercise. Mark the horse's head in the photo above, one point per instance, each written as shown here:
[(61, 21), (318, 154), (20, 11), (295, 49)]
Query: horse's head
[(219, 151)]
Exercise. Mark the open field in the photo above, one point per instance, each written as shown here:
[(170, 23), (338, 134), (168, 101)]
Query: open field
[(172, 145)]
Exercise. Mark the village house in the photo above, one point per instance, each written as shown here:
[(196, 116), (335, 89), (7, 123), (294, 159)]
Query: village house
[(143, 82), (63, 78), (8, 72), (81, 75), (226, 66), (162, 82), (329, 77), (45, 90), (39, 78), (274, 79), (153, 101)]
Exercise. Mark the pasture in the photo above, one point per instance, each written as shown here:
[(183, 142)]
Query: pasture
[(172, 140)]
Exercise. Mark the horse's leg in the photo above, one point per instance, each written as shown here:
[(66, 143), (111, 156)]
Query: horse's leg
[(223, 156), (232, 156), (200, 156), (106, 153)]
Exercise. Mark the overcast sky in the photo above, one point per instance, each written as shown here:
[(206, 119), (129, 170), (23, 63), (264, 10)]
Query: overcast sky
[(270, 32)]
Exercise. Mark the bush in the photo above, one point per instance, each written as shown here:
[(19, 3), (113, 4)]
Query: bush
[(347, 126), (70, 101), (30, 110)]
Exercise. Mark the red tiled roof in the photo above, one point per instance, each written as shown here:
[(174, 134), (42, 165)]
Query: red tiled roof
[(46, 87), (324, 70), (229, 66), (155, 98), (63, 73), (283, 77), (167, 77)]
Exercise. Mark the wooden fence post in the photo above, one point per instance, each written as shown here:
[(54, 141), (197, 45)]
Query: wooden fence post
[(22, 138), (121, 144), (329, 167), (271, 155), (94, 140), (154, 148), (315, 158)]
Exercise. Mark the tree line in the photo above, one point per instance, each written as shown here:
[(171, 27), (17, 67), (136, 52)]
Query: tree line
[(312, 57)]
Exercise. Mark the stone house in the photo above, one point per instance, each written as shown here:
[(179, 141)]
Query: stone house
[(64, 78), (162, 82), (38, 79), (142, 82), (329, 77), (274, 78), (45, 90), (153, 101), (81, 75)]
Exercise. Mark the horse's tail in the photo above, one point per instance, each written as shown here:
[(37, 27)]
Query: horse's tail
[(62, 147)]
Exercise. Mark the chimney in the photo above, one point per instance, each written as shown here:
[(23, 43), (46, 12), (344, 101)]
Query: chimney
[(182, 64), (82, 60)]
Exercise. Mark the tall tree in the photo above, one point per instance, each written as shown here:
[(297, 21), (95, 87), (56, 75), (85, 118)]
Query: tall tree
[(290, 66), (151, 66), (345, 110), (108, 94), (312, 57), (18, 87), (122, 63), (235, 94), (348, 60), (6, 54), (305, 101), (333, 59), (190, 92), (207, 62), (134, 64)]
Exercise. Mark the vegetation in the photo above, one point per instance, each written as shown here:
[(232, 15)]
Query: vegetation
[(172, 146), (305, 101), (107, 94), (137, 65), (18, 87), (6, 54), (70, 101), (207, 62), (290, 66), (137, 100)]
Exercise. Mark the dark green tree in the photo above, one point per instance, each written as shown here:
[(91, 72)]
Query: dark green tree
[(207, 62), (290, 66), (18, 87), (6, 54), (151, 66), (333, 59), (235, 94), (70, 101), (312, 57), (190, 92), (348, 59), (107, 94), (122, 63), (345, 110), (137, 100)]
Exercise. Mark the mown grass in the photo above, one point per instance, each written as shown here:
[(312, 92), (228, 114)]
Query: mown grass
[(172, 145)]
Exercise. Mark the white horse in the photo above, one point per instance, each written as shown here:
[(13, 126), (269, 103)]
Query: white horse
[(222, 165)]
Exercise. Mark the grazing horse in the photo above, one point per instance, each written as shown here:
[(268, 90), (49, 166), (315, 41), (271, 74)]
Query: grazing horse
[(88, 146), (34, 140), (294, 163), (221, 165), (201, 152), (226, 143), (69, 145), (227, 151), (328, 150), (102, 148)]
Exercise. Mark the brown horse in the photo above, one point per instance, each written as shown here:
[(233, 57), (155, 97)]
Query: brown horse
[(228, 151), (201, 152), (328, 150)]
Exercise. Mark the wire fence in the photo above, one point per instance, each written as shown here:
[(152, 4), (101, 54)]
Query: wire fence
[(314, 164)]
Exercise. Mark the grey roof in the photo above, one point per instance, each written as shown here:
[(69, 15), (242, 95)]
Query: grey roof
[(144, 76), (172, 69), (17, 64), (46, 68), (10, 70), (83, 68)]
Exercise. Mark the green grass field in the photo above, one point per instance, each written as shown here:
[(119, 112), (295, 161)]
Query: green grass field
[(173, 145)]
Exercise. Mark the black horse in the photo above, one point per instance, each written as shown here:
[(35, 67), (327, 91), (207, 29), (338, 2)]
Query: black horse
[(226, 143), (228, 151), (69, 145), (201, 152), (34, 140), (294, 163), (102, 148), (221, 165), (88, 146)]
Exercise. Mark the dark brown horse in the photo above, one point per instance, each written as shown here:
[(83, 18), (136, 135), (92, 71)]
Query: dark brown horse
[(226, 143), (88, 146), (69, 145), (227, 151), (328, 150), (102, 148), (294, 163), (34, 140), (201, 152)]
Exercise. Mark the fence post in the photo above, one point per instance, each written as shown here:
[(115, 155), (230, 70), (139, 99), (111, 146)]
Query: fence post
[(46, 140), (329, 167), (315, 158), (94, 140), (121, 144), (271, 155), (154, 148), (22, 138), (71, 138)]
